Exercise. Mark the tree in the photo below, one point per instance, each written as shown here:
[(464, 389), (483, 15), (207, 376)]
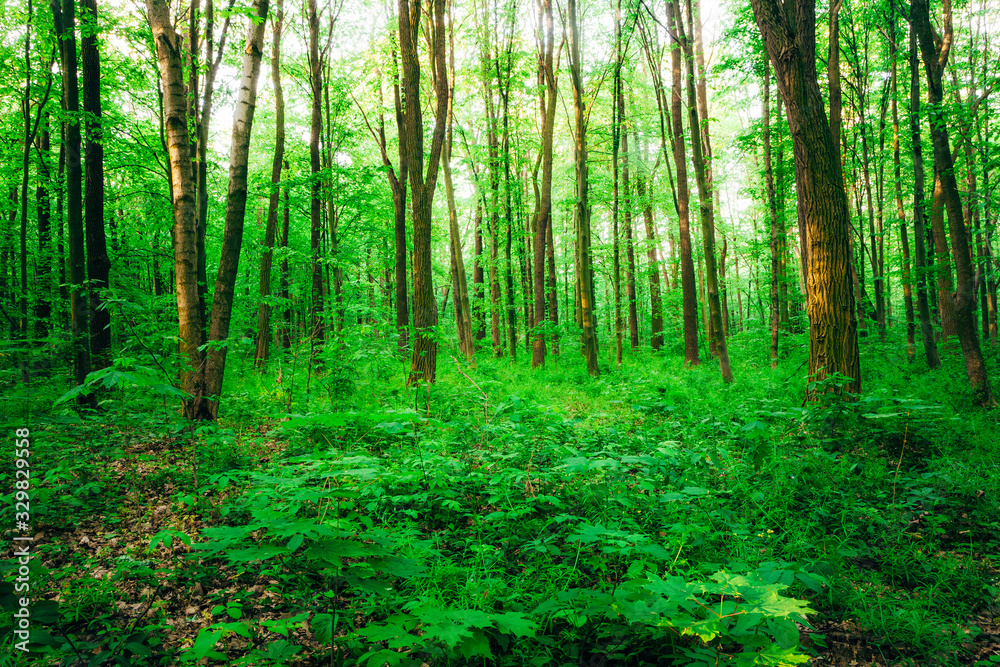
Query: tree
[(424, 362), (697, 113), (585, 276), (919, 231), (264, 309), (98, 263), (315, 202), (789, 35), (688, 288), (772, 207), (236, 201), (65, 19), (463, 315), (935, 56), (548, 92), (169, 50)]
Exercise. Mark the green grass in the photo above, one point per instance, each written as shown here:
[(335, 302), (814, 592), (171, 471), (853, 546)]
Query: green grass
[(652, 516)]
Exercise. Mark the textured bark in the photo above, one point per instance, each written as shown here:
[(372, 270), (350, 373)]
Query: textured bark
[(43, 203), (688, 287), (633, 314), (285, 330), (478, 291), (463, 314), (919, 232), (65, 28), (616, 138), (315, 203), (790, 38), (935, 59), (547, 97), (398, 186), (655, 298), (267, 257), (702, 166), (911, 349), (550, 253), (236, 201), (98, 263), (168, 50), (26, 139), (200, 117), (585, 278), (772, 205), (424, 361), (942, 267)]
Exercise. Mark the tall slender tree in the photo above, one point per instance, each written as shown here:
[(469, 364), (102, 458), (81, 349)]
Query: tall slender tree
[(542, 233), (236, 201), (266, 258), (935, 55), (919, 222), (585, 275), (98, 262), (789, 35), (169, 50), (688, 287), (702, 170), (422, 184), (65, 24)]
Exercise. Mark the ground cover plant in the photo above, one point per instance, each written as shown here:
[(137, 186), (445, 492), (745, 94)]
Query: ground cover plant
[(625, 520)]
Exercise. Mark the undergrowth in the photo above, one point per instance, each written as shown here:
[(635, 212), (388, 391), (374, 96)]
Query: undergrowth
[(652, 516)]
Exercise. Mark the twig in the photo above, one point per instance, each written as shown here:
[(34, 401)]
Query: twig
[(486, 400)]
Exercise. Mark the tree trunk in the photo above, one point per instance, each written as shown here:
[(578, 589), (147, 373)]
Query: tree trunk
[(585, 277), (315, 203), (65, 28), (633, 314), (702, 170), (655, 297), (616, 137), (463, 315), (478, 291), (688, 287), (43, 202), (919, 231), (911, 350), (790, 37), (266, 258), (424, 363), (553, 292), (236, 201), (285, 330), (542, 233), (189, 314), (98, 263), (772, 205), (935, 59)]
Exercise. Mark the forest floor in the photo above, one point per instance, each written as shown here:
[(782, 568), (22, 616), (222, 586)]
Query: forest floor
[(651, 516)]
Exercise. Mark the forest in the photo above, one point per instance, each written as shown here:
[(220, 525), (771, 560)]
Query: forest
[(563, 332)]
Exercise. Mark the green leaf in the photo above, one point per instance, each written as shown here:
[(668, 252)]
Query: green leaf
[(204, 646), (139, 649), (100, 658), (256, 553), (295, 542), (45, 612), (475, 646), (281, 651), (515, 623), (784, 632), (322, 626)]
